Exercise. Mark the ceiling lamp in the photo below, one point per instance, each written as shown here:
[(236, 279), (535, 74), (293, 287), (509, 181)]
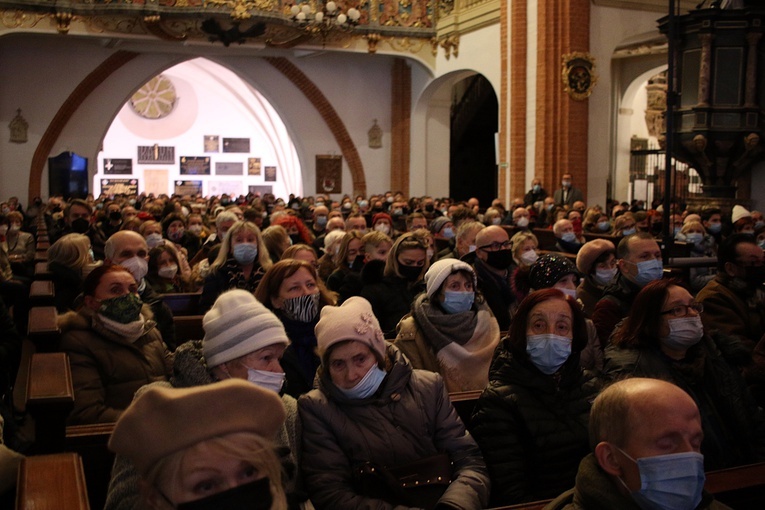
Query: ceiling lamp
[(325, 20)]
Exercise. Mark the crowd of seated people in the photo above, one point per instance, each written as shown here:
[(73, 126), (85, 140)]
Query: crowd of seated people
[(372, 310)]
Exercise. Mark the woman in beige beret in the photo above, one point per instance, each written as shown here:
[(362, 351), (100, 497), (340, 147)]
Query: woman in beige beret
[(207, 447)]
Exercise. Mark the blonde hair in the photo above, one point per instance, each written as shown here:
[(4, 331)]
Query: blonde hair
[(274, 237), (72, 251), (374, 239), (519, 238), (693, 225), (243, 446), (225, 247)]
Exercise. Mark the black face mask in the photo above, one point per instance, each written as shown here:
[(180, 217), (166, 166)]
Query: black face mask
[(500, 259), (296, 239), (357, 264), (115, 216), (80, 225), (250, 496), (755, 276), (429, 207), (410, 273)]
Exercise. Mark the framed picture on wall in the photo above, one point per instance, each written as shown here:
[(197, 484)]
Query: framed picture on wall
[(236, 145), (212, 143), (229, 168), (118, 166), (253, 166), (269, 174), (149, 154), (194, 165), (188, 188), (329, 174), (113, 187)]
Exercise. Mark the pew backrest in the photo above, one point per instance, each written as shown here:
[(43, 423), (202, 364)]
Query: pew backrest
[(48, 482)]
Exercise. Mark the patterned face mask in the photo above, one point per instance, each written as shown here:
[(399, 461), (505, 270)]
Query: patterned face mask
[(302, 308), (123, 309)]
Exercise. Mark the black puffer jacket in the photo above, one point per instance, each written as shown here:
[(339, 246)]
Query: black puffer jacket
[(734, 427), (391, 299), (532, 427)]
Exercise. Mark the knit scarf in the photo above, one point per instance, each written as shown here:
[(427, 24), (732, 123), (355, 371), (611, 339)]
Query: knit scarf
[(237, 279), (464, 342), (131, 331)]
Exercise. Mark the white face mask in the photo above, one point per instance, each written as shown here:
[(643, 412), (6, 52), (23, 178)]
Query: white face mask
[(529, 257), (604, 276), (522, 222), (383, 227), (154, 240), (137, 266), (273, 381), (168, 272)]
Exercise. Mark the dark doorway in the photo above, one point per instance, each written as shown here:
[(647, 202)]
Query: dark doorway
[(474, 122)]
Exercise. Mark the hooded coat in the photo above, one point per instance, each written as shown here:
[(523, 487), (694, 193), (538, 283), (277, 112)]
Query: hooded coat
[(409, 418), (107, 369)]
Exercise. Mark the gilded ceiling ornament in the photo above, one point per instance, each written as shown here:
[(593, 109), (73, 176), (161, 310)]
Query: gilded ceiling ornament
[(579, 77), (240, 9)]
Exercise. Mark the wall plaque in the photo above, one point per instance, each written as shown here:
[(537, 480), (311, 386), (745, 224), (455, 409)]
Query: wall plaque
[(119, 186), (118, 166), (236, 145), (156, 154), (193, 165), (188, 187), (260, 190), (253, 166), (269, 173), (212, 143), (229, 168)]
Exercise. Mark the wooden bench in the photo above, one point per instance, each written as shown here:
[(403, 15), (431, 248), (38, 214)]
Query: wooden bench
[(41, 256), (183, 303), (42, 293), (464, 403), (739, 487), (50, 399), (42, 272), (43, 328), (90, 443), (546, 238), (48, 482), (188, 327)]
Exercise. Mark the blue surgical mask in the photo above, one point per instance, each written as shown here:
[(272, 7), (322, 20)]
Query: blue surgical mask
[(457, 302), (648, 271), (367, 386), (245, 253), (677, 230), (537, 188), (604, 276), (715, 228), (447, 232), (603, 226), (761, 244), (684, 332), (629, 231), (569, 237), (669, 482), (321, 221), (548, 352), (694, 237)]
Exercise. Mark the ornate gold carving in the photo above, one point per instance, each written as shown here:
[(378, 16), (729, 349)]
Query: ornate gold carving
[(451, 45), (20, 19), (240, 9), (579, 75), (372, 40), (63, 21)]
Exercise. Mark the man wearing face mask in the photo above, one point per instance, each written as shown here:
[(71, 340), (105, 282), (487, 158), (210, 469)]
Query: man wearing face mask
[(243, 340), (734, 300), (129, 249), (493, 261), (522, 218), (320, 218), (639, 263), (567, 194), (645, 436), (536, 194), (76, 219), (568, 241)]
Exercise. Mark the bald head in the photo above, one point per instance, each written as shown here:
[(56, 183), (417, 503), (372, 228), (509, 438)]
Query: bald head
[(491, 234), (124, 245)]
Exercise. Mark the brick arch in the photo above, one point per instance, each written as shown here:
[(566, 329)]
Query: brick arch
[(65, 112), (330, 116)]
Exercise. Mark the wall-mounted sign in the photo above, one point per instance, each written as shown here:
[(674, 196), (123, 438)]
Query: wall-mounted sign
[(253, 166), (192, 165), (229, 168), (118, 166), (236, 145), (156, 154), (212, 143), (119, 186), (188, 187)]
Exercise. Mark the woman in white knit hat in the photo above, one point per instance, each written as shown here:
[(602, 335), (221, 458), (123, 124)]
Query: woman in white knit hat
[(451, 329), (374, 419), (203, 448), (243, 340)]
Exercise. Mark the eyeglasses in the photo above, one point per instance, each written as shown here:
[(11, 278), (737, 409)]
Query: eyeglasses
[(683, 310), (496, 246)]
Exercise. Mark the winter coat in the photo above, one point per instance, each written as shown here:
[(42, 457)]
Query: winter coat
[(465, 366), (226, 277), (163, 316), (532, 427), (391, 298), (67, 283), (596, 490), (108, 369), (733, 313), (410, 417), (734, 427), (497, 292), (589, 294), (614, 306), (299, 361), (189, 370)]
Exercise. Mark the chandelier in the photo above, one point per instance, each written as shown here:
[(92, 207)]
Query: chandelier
[(325, 20)]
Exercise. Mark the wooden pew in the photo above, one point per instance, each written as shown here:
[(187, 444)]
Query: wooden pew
[(42, 272), (90, 443), (464, 403), (546, 238), (43, 328), (41, 256), (188, 327), (42, 293), (739, 487), (48, 482), (183, 303), (50, 399)]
